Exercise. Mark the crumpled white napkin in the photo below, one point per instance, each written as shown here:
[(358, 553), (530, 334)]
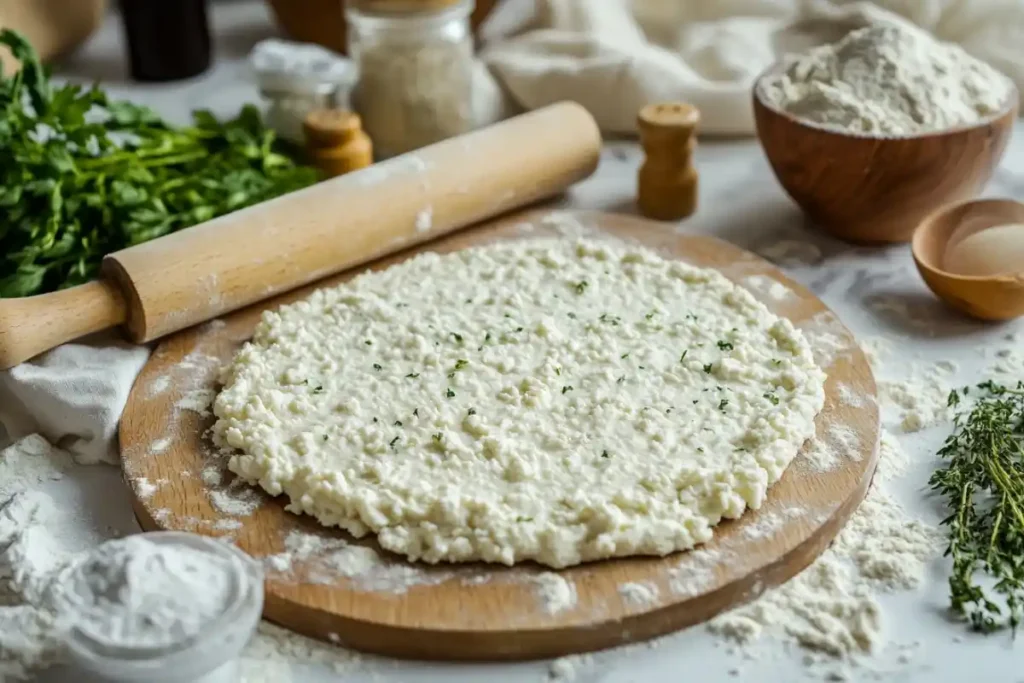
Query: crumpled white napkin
[(614, 56), (73, 396)]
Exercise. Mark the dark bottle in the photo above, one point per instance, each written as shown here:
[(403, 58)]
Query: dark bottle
[(168, 40)]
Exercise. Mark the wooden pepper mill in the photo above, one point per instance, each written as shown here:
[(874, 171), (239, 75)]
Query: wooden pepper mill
[(667, 181), (335, 141)]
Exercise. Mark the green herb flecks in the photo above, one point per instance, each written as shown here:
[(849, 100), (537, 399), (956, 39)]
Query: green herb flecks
[(982, 481), (449, 393), (581, 286), (567, 388), (724, 345), (772, 398)]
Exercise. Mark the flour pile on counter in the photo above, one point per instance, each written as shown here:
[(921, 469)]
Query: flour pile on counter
[(888, 80), (519, 401)]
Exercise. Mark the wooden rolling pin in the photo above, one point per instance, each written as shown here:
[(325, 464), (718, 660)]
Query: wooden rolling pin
[(176, 281)]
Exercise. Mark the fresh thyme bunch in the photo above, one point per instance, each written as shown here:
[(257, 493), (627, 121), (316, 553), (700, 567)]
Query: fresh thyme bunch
[(982, 481)]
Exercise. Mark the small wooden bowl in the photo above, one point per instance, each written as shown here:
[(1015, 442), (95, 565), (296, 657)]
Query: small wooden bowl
[(878, 189), (997, 297)]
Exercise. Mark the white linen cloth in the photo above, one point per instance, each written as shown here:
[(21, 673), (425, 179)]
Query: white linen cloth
[(612, 56)]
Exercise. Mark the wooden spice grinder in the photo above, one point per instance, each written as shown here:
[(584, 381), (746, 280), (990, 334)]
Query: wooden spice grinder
[(185, 278)]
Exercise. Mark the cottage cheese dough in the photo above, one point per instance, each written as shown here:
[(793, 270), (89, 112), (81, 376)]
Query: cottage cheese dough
[(553, 400)]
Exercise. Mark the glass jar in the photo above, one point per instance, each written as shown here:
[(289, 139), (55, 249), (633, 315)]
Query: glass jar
[(415, 58)]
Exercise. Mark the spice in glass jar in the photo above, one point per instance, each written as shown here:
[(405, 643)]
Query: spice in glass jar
[(415, 58)]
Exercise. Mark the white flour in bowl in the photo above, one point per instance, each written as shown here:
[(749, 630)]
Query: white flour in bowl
[(887, 80)]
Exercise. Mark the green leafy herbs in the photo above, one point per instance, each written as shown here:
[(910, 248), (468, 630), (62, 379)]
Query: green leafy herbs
[(82, 176), (982, 481)]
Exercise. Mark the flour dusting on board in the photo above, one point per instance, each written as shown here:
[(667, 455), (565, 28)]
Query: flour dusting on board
[(695, 572), (638, 594), (555, 593), (768, 287), (828, 339), (792, 253), (326, 560)]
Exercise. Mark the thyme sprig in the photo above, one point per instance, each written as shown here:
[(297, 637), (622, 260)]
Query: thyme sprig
[(982, 481)]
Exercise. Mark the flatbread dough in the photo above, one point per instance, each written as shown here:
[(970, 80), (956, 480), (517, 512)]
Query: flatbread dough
[(558, 400)]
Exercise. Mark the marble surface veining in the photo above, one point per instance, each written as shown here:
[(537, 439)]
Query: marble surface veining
[(875, 291)]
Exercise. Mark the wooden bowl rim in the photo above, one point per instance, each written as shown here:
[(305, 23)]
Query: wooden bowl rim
[(1010, 108), (931, 220)]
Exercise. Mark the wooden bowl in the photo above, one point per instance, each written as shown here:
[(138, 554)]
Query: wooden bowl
[(323, 21), (878, 189), (996, 297)]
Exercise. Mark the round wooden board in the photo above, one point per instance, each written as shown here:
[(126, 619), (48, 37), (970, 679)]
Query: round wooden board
[(484, 611)]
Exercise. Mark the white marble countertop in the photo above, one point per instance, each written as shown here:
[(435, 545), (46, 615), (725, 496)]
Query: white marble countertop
[(875, 291)]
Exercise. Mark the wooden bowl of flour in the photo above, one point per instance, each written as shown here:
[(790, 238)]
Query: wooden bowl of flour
[(873, 189)]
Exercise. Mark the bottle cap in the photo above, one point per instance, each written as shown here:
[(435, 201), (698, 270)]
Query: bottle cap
[(329, 127)]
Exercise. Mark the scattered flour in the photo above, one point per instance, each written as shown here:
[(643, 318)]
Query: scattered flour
[(144, 488), (554, 592), (792, 253), (773, 289), (876, 349), (425, 220), (919, 400), (1008, 363), (159, 385), (329, 559), (839, 444), (269, 655), (567, 669), (159, 446), (928, 85), (827, 337), (236, 500), (212, 475), (38, 537), (197, 400), (831, 606), (638, 594), (850, 398), (695, 572)]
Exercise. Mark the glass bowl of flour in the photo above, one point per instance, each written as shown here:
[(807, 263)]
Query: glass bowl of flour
[(871, 134), (161, 607)]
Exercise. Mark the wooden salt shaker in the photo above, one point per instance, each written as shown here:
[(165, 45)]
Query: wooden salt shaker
[(335, 141), (667, 181)]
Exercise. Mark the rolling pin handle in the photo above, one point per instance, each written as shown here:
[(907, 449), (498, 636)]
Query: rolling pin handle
[(28, 326)]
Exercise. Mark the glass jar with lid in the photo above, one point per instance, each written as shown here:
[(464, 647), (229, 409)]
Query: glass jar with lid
[(415, 58)]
